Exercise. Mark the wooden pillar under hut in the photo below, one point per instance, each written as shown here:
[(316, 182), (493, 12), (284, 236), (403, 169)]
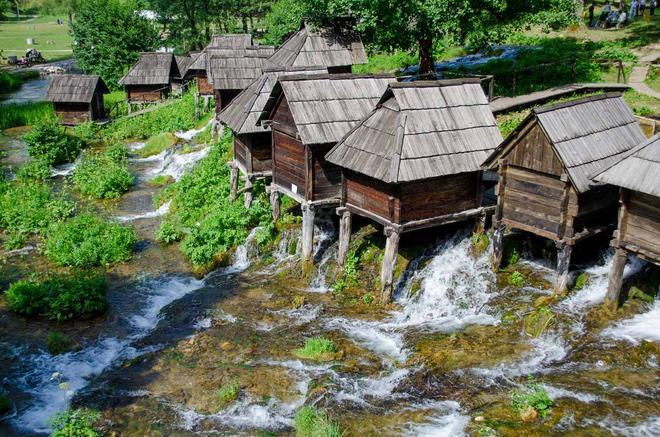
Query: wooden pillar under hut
[(389, 260), (564, 252), (345, 221), (275, 204), (233, 180), (308, 213), (615, 278), (247, 193)]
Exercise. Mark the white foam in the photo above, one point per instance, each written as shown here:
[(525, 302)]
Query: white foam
[(377, 337), (558, 392), (192, 133), (645, 326), (647, 428), (174, 164), (447, 422), (161, 211)]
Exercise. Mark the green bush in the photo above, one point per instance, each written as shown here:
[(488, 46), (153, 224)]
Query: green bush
[(9, 82), (387, 62), (58, 343), (34, 170), (59, 297), (168, 232), (86, 131), (581, 281), (516, 279), (531, 395), (75, 423), (317, 349), (349, 277), (310, 422), (50, 142), (103, 175), (228, 394), (88, 241)]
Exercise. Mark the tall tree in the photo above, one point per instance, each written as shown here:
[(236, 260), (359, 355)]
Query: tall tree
[(408, 24), (284, 17), (108, 35)]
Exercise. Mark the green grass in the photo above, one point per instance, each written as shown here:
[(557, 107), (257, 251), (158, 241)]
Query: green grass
[(531, 396), (24, 114), (516, 279), (58, 343), (642, 104), (157, 144), (161, 181), (13, 37), (387, 62), (115, 104), (317, 349), (310, 422), (228, 394), (103, 175), (653, 78)]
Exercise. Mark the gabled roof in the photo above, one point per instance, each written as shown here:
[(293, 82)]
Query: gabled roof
[(586, 134), (638, 169), (75, 88), (421, 130), (230, 45), (238, 70), (309, 47), (242, 113), (151, 69), (231, 40), (325, 107), (182, 63)]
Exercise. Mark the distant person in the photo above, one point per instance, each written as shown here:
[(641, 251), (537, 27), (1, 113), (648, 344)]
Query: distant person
[(633, 10), (591, 14), (623, 17), (642, 7), (602, 20), (652, 5)]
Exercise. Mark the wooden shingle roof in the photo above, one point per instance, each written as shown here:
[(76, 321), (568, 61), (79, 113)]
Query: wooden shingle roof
[(230, 45), (231, 40), (182, 63), (75, 88), (152, 68), (637, 170), (586, 134), (238, 70), (242, 113), (325, 107), (421, 130), (309, 47)]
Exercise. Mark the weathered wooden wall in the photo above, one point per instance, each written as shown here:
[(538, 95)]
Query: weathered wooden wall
[(289, 163), (597, 206), (534, 151), (371, 195), (326, 176), (283, 119), (641, 225), (72, 113), (258, 146), (204, 88), (145, 93)]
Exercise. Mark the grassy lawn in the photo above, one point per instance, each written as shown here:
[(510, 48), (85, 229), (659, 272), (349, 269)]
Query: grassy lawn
[(653, 78), (51, 39)]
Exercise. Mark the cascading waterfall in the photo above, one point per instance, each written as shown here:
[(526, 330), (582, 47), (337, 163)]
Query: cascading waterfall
[(644, 326)]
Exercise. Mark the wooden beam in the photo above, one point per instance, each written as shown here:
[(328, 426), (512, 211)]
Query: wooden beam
[(563, 206), (501, 185), (389, 261), (309, 212), (344, 236), (233, 183), (615, 278), (309, 174), (444, 219), (274, 203)]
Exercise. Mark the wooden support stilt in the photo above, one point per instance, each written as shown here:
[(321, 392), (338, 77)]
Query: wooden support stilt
[(309, 212), (247, 195), (274, 203), (233, 182), (615, 278), (206, 103), (564, 252), (344, 235), (389, 260), (196, 105), (498, 246), (129, 106)]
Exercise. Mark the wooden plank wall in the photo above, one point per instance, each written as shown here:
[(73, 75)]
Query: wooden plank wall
[(261, 151), (327, 176), (534, 151), (288, 162), (203, 86), (372, 196), (72, 113), (643, 223), (283, 118), (597, 206), (439, 196), (240, 151), (144, 93)]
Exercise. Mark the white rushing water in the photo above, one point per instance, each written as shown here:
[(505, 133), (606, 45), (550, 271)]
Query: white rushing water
[(644, 326), (192, 133), (161, 211), (171, 163)]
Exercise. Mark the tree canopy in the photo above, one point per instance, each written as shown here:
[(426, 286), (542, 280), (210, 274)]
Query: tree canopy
[(108, 36)]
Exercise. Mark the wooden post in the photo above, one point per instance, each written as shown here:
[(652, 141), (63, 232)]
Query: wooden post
[(309, 212), (389, 260), (274, 203), (564, 252), (247, 196), (498, 246), (196, 105), (615, 278), (233, 181), (344, 234)]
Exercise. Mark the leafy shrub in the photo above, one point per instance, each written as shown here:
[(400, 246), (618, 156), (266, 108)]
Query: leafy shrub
[(317, 349), (157, 144), (284, 17), (368, 299), (15, 241), (516, 279), (310, 422), (349, 278), (34, 170), (387, 62), (480, 242), (75, 423), (103, 175), (28, 208), (581, 281), (168, 233), (88, 241), (228, 394), (531, 395), (5, 404), (58, 343), (86, 131), (50, 142), (59, 297)]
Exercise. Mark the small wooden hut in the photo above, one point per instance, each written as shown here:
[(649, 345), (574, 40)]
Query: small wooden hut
[(183, 63), (638, 232), (335, 49), (415, 161), (77, 98), (150, 79), (252, 143), (308, 115), (545, 167), (229, 75)]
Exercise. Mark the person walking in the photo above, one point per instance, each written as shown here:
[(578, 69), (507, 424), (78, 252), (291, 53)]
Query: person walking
[(633, 10), (642, 6), (591, 14), (652, 6)]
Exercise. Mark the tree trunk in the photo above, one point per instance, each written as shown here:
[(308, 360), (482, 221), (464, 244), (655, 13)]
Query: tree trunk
[(245, 24), (426, 67)]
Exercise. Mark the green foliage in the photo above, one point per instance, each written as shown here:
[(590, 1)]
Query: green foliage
[(284, 18), (29, 208), (75, 423), (310, 422), (86, 131), (349, 278), (58, 343), (387, 63), (368, 299), (25, 114), (59, 297), (5, 404), (35, 170), (480, 242), (157, 144), (317, 349), (161, 181), (516, 279), (103, 175), (538, 320), (227, 394), (88, 241), (201, 213), (581, 281), (531, 395), (108, 36), (49, 142), (9, 82)]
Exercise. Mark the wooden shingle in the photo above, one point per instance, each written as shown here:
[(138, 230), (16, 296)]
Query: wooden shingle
[(236, 71), (152, 69), (75, 88)]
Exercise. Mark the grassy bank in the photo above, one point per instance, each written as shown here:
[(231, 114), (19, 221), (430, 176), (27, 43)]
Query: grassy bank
[(51, 39), (25, 114)]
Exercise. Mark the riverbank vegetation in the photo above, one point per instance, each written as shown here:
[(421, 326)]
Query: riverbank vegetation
[(310, 422), (49, 141), (25, 114), (103, 175)]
